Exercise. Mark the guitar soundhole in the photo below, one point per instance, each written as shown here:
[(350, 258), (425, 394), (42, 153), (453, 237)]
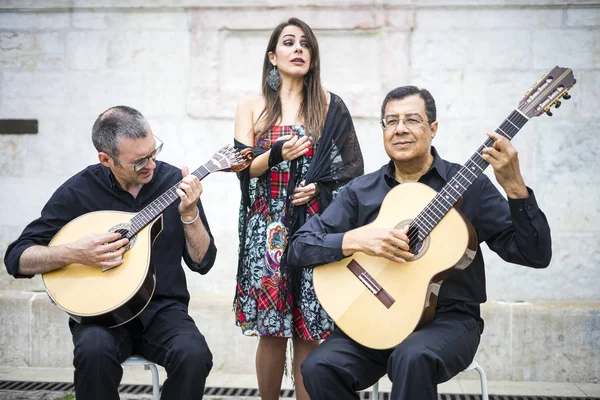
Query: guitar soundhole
[(418, 247), (123, 229)]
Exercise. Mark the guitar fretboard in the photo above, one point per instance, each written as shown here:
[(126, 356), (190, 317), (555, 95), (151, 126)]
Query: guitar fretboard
[(439, 206), (154, 209)]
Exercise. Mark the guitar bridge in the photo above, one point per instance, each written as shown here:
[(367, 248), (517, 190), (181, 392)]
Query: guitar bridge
[(370, 283)]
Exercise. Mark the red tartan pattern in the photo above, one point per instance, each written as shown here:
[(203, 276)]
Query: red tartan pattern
[(258, 309)]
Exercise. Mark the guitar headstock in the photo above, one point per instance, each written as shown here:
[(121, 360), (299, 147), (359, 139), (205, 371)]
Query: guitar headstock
[(229, 159), (548, 92)]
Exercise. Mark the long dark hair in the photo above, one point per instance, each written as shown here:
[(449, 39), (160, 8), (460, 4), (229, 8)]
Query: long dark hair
[(314, 103)]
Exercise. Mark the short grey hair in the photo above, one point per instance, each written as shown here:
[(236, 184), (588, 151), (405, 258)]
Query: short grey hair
[(118, 122)]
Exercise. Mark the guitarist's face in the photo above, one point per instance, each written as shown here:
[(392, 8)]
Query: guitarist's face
[(407, 136), (132, 151)]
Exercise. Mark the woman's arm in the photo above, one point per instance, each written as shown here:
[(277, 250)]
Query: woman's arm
[(244, 133)]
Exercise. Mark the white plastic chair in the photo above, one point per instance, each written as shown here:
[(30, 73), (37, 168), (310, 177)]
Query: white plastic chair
[(137, 360), (474, 366)]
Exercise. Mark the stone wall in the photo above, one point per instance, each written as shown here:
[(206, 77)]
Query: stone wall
[(186, 63)]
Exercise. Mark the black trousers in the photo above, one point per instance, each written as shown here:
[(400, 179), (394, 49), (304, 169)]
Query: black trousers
[(340, 367), (171, 340)]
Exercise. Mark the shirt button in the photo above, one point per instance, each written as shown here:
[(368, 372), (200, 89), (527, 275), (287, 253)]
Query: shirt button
[(534, 233), (521, 208)]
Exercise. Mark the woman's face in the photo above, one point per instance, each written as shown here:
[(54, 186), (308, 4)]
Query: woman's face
[(291, 56)]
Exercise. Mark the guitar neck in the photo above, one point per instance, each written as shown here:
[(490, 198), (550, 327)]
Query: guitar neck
[(439, 206), (154, 209)]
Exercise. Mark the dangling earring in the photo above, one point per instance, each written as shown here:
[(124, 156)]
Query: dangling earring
[(273, 80), (305, 81)]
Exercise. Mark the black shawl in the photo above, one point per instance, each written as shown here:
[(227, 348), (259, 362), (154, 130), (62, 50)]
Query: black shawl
[(337, 160)]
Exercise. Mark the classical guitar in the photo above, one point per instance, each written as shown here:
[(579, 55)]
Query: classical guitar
[(378, 302), (91, 295)]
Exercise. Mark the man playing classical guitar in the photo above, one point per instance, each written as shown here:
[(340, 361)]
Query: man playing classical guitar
[(128, 178), (515, 229)]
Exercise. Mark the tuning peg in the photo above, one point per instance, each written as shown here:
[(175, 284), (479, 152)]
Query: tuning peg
[(558, 103), (549, 113), (566, 96)]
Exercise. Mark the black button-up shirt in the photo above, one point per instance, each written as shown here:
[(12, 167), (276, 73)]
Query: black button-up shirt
[(95, 189), (516, 229)]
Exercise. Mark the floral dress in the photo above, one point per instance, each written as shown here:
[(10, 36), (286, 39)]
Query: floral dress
[(258, 308)]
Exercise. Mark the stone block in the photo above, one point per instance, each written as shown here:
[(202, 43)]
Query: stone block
[(370, 138), (395, 62), (12, 162), (567, 151), (51, 343), (478, 49), (467, 94), (580, 17), (212, 19), (205, 60), (341, 65), (585, 94), (241, 56), (232, 352), (165, 51), (24, 50), (221, 280), (54, 93), (162, 19), (203, 103), (556, 342), (32, 196), (562, 47), (15, 330), (571, 274), (33, 21), (87, 50), (203, 137), (466, 19), (572, 209), (495, 348)]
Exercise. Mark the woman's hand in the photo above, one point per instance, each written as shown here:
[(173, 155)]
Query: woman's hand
[(294, 146), (303, 194)]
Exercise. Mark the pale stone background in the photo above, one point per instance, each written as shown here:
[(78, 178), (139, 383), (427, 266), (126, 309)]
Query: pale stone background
[(185, 64)]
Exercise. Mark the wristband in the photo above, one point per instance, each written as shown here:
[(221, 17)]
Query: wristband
[(275, 155)]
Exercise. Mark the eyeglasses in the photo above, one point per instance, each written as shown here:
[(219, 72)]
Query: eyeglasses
[(138, 166), (391, 121)]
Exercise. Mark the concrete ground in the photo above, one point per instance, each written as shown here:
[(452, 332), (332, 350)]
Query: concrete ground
[(464, 383)]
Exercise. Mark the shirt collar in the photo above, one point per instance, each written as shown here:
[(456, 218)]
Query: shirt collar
[(438, 165)]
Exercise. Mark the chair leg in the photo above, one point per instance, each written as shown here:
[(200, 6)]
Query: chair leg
[(155, 382), (483, 379), (376, 391)]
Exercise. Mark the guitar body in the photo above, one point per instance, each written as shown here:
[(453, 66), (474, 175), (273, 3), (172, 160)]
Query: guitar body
[(113, 297), (413, 285)]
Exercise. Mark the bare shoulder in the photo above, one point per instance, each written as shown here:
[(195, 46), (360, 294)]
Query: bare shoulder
[(252, 103), (327, 96)]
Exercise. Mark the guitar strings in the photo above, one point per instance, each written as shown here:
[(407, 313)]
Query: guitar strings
[(416, 225)]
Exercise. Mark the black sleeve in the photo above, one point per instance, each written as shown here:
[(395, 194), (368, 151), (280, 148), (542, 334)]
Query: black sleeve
[(62, 207), (517, 230)]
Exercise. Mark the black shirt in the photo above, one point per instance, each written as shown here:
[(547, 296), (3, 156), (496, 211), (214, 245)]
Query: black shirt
[(95, 189), (516, 229)]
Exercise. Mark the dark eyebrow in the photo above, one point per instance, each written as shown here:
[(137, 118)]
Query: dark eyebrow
[(294, 36)]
